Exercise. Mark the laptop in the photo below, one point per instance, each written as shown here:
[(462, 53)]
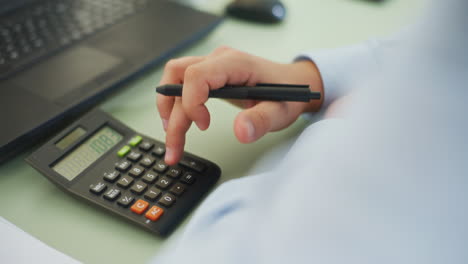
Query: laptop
[(60, 57)]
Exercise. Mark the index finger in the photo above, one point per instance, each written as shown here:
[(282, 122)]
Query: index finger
[(174, 71)]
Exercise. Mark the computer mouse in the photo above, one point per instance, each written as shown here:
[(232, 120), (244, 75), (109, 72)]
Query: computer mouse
[(263, 11)]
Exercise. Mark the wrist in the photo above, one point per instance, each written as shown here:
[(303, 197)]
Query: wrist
[(306, 72)]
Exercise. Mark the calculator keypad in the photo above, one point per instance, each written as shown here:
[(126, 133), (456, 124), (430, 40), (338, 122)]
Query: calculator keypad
[(142, 182)]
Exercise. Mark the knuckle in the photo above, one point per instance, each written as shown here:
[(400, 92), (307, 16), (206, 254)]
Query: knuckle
[(190, 108), (178, 129), (264, 120), (192, 72), (162, 102), (221, 49), (172, 65)]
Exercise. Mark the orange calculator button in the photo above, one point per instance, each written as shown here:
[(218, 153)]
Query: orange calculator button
[(139, 207), (154, 213)]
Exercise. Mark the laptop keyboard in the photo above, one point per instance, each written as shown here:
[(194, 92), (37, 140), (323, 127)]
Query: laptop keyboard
[(37, 30)]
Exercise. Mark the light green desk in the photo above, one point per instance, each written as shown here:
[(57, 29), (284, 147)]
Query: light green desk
[(32, 203)]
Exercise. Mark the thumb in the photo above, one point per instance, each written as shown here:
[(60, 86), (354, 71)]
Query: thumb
[(251, 124)]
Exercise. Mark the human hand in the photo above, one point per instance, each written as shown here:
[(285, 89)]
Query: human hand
[(225, 66)]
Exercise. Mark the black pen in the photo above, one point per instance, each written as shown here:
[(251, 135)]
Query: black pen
[(261, 92)]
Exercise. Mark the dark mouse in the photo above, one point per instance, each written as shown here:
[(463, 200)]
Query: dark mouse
[(264, 11)]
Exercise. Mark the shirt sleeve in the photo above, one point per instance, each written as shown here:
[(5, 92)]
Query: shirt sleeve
[(341, 67)]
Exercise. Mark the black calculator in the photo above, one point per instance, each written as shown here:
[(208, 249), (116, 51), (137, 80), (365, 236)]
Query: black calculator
[(106, 163)]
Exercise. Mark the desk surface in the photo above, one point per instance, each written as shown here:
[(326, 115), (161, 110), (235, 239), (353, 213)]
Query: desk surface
[(31, 202)]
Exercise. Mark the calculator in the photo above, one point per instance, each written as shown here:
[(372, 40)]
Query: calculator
[(106, 163)]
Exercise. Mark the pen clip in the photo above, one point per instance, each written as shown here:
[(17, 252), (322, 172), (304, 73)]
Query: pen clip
[(282, 85)]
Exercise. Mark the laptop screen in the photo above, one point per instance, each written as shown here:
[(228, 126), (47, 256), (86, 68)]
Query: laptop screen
[(7, 5)]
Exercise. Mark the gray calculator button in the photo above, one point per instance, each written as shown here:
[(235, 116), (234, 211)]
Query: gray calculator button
[(134, 156), (136, 171), (167, 200), (112, 194), (188, 178), (146, 145), (139, 187), (125, 181), (97, 188), (174, 172), (147, 161), (164, 182), (192, 164), (160, 166), (150, 177), (111, 176), (178, 189), (152, 194), (125, 200), (123, 165), (158, 151)]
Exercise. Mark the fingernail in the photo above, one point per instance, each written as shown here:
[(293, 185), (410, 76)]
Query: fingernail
[(250, 130), (165, 122)]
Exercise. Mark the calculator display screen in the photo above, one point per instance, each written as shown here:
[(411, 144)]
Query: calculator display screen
[(87, 153)]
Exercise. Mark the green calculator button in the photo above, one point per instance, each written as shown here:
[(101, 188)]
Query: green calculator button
[(123, 151), (135, 141)]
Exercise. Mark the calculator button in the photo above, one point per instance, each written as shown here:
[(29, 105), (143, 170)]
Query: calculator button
[(154, 213), (125, 200), (150, 177), (174, 172), (158, 151), (125, 181), (139, 207), (112, 194), (134, 156), (123, 165), (97, 188), (147, 161), (111, 176), (178, 189), (139, 187), (136, 171), (192, 164), (152, 194), (160, 166), (135, 141), (188, 178), (146, 145), (163, 183), (123, 151), (167, 200)]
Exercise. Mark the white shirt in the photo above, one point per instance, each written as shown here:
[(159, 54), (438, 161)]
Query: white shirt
[(388, 183)]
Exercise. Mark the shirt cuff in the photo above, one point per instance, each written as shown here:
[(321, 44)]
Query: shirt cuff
[(340, 68)]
